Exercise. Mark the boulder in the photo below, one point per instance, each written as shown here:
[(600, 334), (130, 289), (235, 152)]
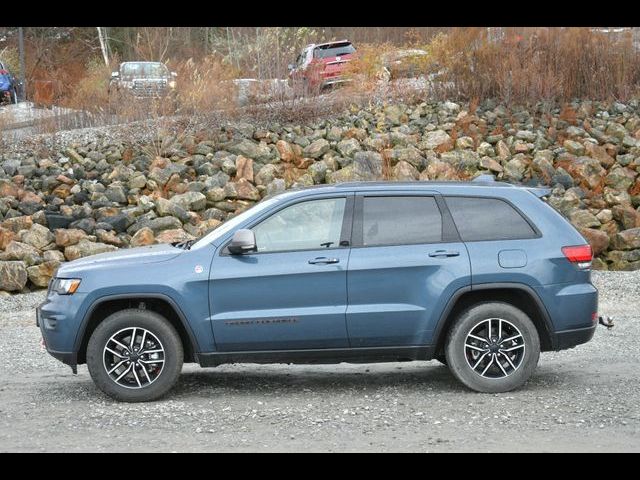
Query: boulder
[(258, 151), (143, 237), (244, 168), (348, 147), (40, 275), (38, 236), (246, 191), (587, 171), (267, 174), (18, 223), (191, 201), (13, 276), (6, 237), (627, 239), (85, 248), (404, 171), (286, 151), (598, 240), (584, 219), (574, 147), (599, 153), (367, 165), (21, 251), (435, 139), (316, 149), (67, 237), (172, 236)]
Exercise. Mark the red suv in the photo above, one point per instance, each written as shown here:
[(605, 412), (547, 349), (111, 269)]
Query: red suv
[(321, 65)]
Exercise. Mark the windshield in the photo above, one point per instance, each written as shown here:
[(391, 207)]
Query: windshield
[(333, 50), (235, 221), (144, 70)]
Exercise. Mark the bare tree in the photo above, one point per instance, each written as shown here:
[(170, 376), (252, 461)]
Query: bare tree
[(104, 46)]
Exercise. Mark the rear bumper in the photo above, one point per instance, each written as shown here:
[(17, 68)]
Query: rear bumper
[(571, 338)]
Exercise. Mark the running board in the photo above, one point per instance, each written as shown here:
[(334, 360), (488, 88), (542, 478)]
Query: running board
[(320, 356)]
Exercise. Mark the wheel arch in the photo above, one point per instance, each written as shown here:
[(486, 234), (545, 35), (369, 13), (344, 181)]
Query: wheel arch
[(164, 305), (519, 295)]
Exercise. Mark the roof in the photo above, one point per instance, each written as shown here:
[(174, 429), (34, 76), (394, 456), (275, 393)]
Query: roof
[(392, 185), (420, 184), (314, 45), (139, 61), (481, 186)]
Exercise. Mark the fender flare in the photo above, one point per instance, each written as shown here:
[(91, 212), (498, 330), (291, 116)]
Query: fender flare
[(195, 347), (495, 286)]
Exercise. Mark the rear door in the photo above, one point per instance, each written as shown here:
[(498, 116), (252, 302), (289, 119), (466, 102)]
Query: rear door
[(406, 262)]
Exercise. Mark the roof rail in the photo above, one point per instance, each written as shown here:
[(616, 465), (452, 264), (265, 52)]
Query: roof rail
[(484, 178)]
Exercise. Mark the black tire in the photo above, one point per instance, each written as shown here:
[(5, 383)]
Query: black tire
[(458, 359), (161, 329)]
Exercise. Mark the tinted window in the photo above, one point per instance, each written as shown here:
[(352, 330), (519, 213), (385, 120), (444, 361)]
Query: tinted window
[(314, 224), (333, 50), (400, 220), (487, 219), (150, 70)]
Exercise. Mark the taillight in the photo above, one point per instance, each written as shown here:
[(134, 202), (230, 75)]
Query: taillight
[(581, 255)]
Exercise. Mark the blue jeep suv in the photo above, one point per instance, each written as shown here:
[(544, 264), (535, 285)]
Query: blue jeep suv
[(481, 276)]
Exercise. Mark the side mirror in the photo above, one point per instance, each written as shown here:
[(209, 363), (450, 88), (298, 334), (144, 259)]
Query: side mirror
[(115, 74), (291, 66), (243, 241)]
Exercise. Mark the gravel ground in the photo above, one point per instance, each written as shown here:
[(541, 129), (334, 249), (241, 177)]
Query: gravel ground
[(585, 399)]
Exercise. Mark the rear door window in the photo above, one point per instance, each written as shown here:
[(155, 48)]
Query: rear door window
[(488, 219), (400, 221)]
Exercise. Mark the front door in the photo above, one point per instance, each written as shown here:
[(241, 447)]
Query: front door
[(291, 293), (406, 262)]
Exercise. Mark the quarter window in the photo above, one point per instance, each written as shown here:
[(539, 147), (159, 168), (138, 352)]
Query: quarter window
[(310, 225), (400, 220), (487, 219)]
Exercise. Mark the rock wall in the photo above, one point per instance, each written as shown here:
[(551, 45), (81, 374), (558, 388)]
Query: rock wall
[(101, 194)]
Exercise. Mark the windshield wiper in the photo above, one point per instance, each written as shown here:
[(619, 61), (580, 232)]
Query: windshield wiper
[(186, 245)]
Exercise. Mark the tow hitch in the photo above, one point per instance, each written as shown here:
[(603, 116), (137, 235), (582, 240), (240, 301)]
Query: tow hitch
[(606, 321)]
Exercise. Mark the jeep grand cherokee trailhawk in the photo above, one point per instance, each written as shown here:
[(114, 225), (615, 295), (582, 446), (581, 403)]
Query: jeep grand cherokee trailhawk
[(482, 276)]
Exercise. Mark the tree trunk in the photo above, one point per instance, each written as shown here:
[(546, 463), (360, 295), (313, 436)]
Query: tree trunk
[(103, 46)]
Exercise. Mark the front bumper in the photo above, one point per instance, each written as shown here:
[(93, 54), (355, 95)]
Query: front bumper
[(335, 81), (57, 318)]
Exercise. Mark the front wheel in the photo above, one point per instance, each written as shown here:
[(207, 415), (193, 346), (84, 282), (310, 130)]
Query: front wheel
[(135, 355), (493, 347)]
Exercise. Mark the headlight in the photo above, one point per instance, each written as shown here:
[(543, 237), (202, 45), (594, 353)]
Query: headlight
[(65, 286), (172, 84)]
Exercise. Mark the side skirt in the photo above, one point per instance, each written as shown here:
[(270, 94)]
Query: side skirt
[(320, 356)]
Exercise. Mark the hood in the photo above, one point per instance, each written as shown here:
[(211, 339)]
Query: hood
[(128, 257)]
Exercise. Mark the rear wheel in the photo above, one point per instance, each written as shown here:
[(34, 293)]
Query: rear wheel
[(493, 347), (135, 355)]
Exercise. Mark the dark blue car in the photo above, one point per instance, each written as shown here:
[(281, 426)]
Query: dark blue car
[(482, 276)]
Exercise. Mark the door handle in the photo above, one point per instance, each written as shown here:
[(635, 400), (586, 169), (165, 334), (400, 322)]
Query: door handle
[(444, 253), (323, 261)]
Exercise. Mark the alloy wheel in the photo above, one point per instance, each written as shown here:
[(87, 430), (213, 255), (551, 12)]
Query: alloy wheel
[(133, 357), (494, 348)]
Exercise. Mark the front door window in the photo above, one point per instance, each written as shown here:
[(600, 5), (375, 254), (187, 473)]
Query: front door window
[(309, 225)]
